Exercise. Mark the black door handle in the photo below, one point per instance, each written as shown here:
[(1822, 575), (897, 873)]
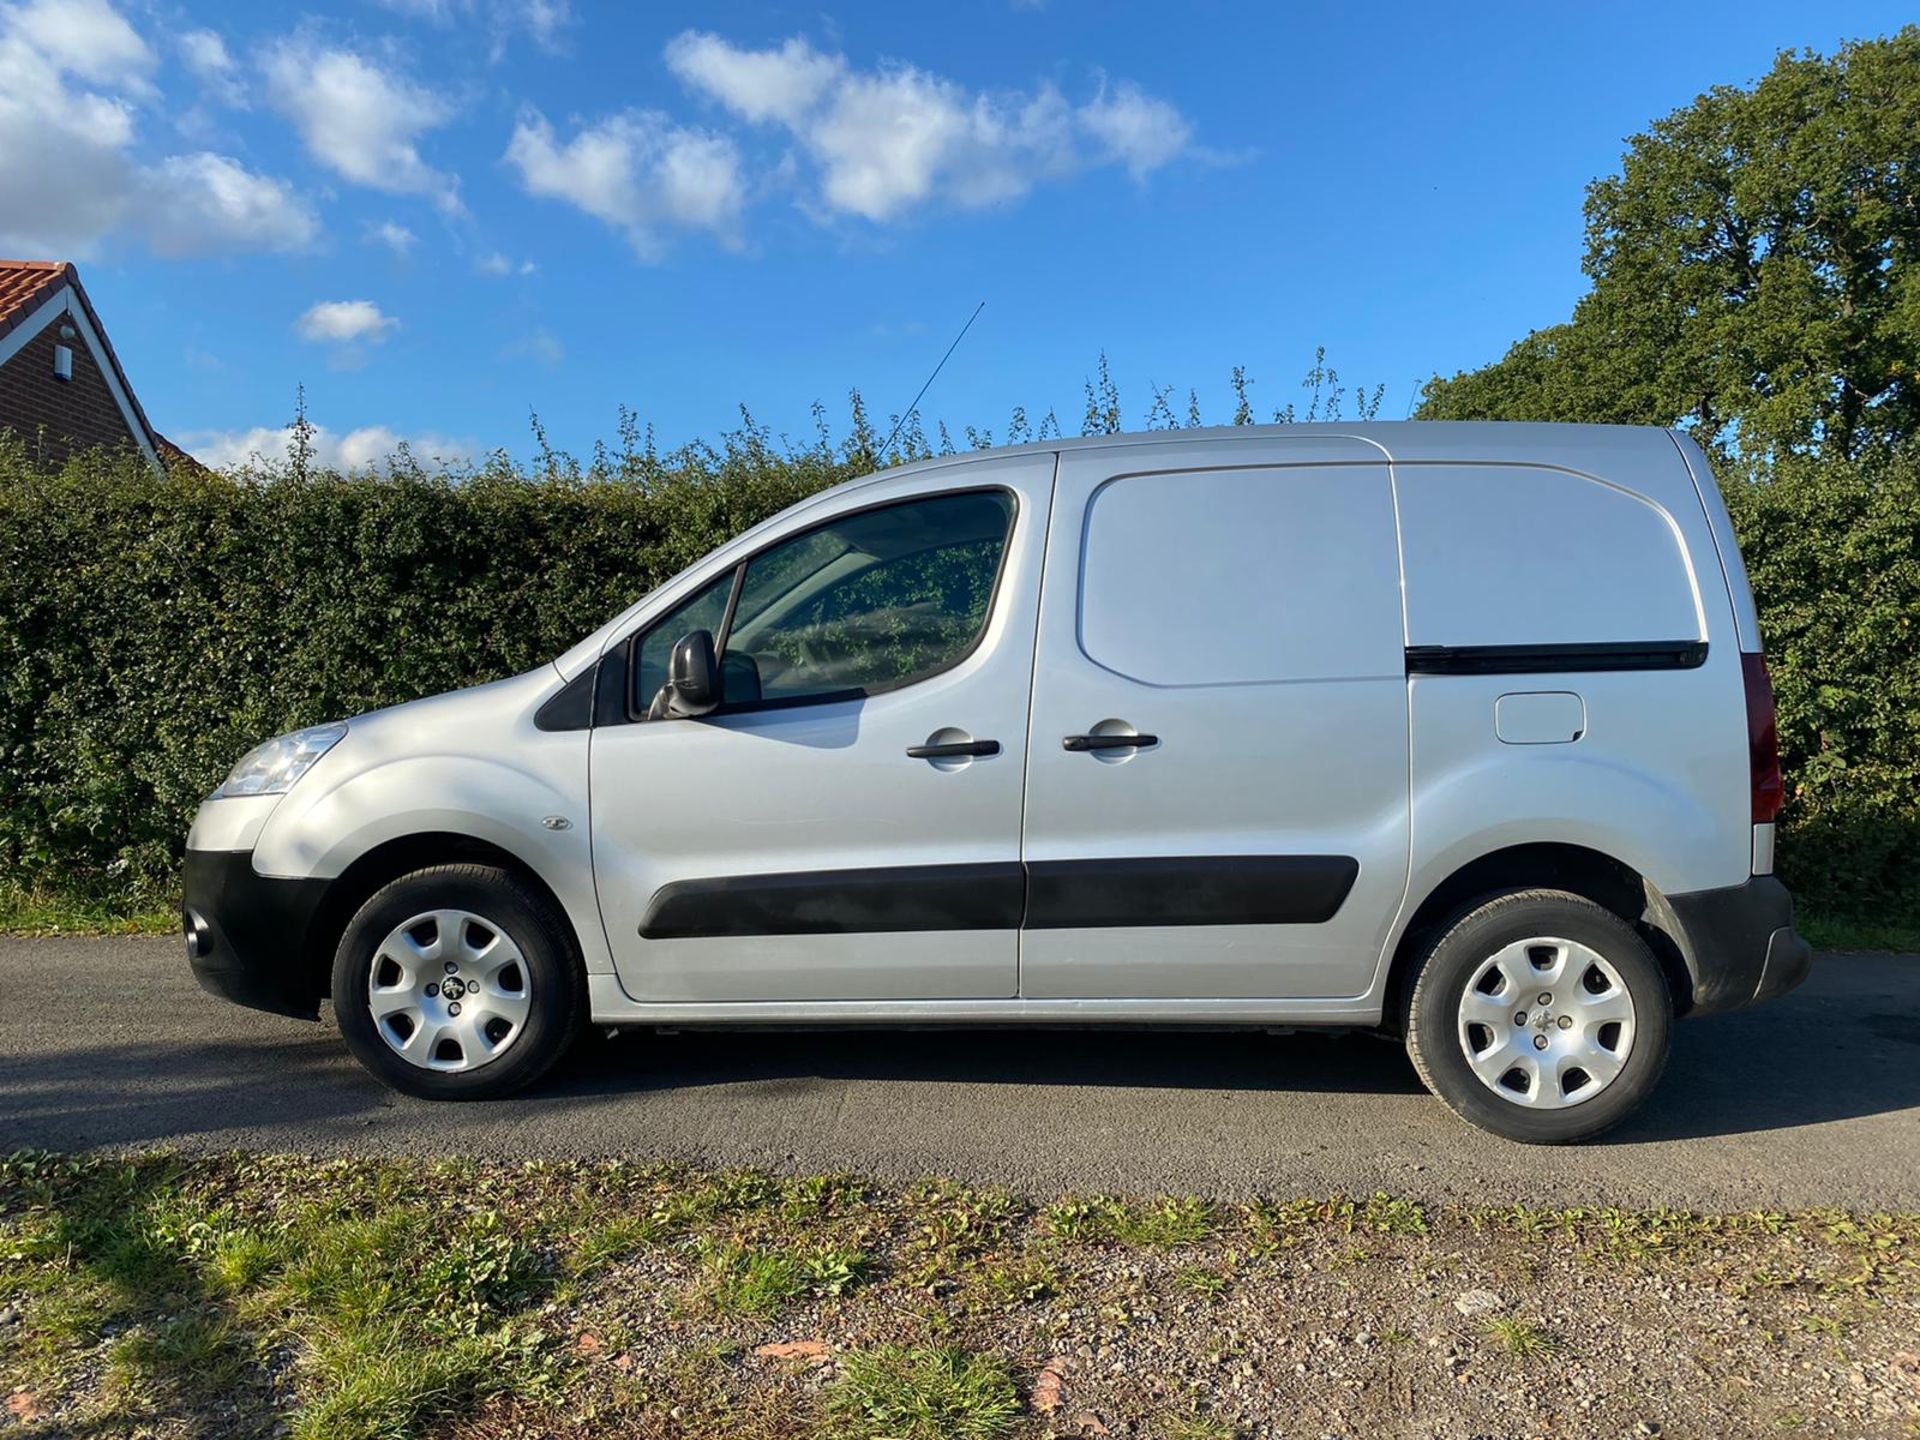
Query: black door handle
[(1108, 742), (953, 749)]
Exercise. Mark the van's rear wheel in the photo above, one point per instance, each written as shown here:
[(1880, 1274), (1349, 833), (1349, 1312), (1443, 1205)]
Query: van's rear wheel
[(1540, 1016), (457, 983)]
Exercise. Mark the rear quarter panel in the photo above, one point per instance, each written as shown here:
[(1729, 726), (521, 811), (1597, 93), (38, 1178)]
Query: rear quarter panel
[(1658, 779)]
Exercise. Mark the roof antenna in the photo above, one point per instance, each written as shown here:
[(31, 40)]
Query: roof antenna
[(931, 378)]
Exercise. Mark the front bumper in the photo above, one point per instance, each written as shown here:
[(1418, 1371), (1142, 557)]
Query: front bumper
[(1739, 944), (247, 933)]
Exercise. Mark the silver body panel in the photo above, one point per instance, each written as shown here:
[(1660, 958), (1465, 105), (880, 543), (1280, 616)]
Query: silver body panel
[(1284, 738), (470, 763), (1308, 738)]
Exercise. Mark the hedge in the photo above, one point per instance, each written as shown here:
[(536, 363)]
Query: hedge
[(152, 628), (1833, 550)]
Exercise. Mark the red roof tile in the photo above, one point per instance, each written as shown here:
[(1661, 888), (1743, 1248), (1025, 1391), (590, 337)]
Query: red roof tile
[(23, 283)]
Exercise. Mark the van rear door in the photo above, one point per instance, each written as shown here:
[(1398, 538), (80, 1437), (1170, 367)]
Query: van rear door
[(1217, 782)]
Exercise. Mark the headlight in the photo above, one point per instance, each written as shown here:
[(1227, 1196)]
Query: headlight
[(271, 769)]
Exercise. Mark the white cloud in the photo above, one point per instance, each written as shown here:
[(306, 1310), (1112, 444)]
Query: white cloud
[(205, 203), (757, 85), (637, 171), (541, 345), (542, 20), (87, 38), (888, 139), (367, 448), (73, 80), (207, 59), (64, 172), (361, 121), (496, 266), (1137, 130), (440, 12), (345, 322), (395, 236)]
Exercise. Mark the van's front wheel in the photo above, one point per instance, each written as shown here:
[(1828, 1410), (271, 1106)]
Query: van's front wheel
[(1541, 1017), (457, 983)]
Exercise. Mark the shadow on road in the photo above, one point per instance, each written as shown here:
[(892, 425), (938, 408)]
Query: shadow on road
[(1126, 1059), (1846, 1046), (153, 1092), (1809, 1058)]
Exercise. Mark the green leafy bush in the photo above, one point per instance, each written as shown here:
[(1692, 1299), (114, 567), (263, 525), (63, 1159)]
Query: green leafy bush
[(1833, 549)]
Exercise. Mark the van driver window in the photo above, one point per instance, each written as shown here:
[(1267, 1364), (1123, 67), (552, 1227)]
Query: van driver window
[(872, 601)]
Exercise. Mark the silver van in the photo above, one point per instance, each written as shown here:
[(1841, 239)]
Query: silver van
[(1457, 730)]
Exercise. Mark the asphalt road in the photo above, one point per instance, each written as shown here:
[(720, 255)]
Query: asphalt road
[(1814, 1100)]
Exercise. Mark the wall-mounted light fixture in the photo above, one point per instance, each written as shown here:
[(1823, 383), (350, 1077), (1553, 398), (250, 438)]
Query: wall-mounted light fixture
[(63, 354)]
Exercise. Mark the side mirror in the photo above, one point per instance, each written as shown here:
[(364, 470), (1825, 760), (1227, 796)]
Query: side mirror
[(693, 677)]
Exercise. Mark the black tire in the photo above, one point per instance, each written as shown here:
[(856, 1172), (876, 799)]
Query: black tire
[(1462, 946), (556, 1001)]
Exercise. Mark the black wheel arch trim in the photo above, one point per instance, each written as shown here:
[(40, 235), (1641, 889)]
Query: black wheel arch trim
[(1738, 943), (268, 941)]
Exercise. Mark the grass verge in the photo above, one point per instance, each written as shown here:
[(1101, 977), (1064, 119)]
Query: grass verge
[(1844, 932), (43, 913), (153, 1295)]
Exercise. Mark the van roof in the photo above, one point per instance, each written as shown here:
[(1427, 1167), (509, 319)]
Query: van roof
[(1408, 440)]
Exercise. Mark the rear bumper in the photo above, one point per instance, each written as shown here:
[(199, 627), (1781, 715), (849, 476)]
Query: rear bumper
[(246, 934), (1739, 944)]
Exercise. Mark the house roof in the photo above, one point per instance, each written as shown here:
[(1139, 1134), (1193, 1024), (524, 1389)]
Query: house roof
[(177, 461), (24, 283), (27, 286)]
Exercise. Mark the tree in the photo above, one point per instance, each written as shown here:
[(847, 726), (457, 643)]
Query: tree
[(1553, 374), (1754, 271)]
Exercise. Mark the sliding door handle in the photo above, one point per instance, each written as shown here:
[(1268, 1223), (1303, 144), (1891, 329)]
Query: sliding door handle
[(953, 750), (1108, 742)]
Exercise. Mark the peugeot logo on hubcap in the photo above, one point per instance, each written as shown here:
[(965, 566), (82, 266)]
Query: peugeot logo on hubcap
[(452, 988)]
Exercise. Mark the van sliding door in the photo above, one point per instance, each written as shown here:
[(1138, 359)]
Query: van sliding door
[(1217, 782)]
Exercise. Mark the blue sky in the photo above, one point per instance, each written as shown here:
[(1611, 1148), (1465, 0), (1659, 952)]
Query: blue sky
[(441, 214)]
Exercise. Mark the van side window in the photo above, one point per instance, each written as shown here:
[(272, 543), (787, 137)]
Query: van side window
[(1523, 555), (1236, 577), (870, 602)]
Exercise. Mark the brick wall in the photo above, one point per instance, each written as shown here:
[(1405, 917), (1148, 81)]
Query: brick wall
[(76, 414)]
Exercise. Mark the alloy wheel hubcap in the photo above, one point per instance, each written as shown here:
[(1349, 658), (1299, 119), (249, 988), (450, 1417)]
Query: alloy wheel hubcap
[(1546, 1023), (449, 991)]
